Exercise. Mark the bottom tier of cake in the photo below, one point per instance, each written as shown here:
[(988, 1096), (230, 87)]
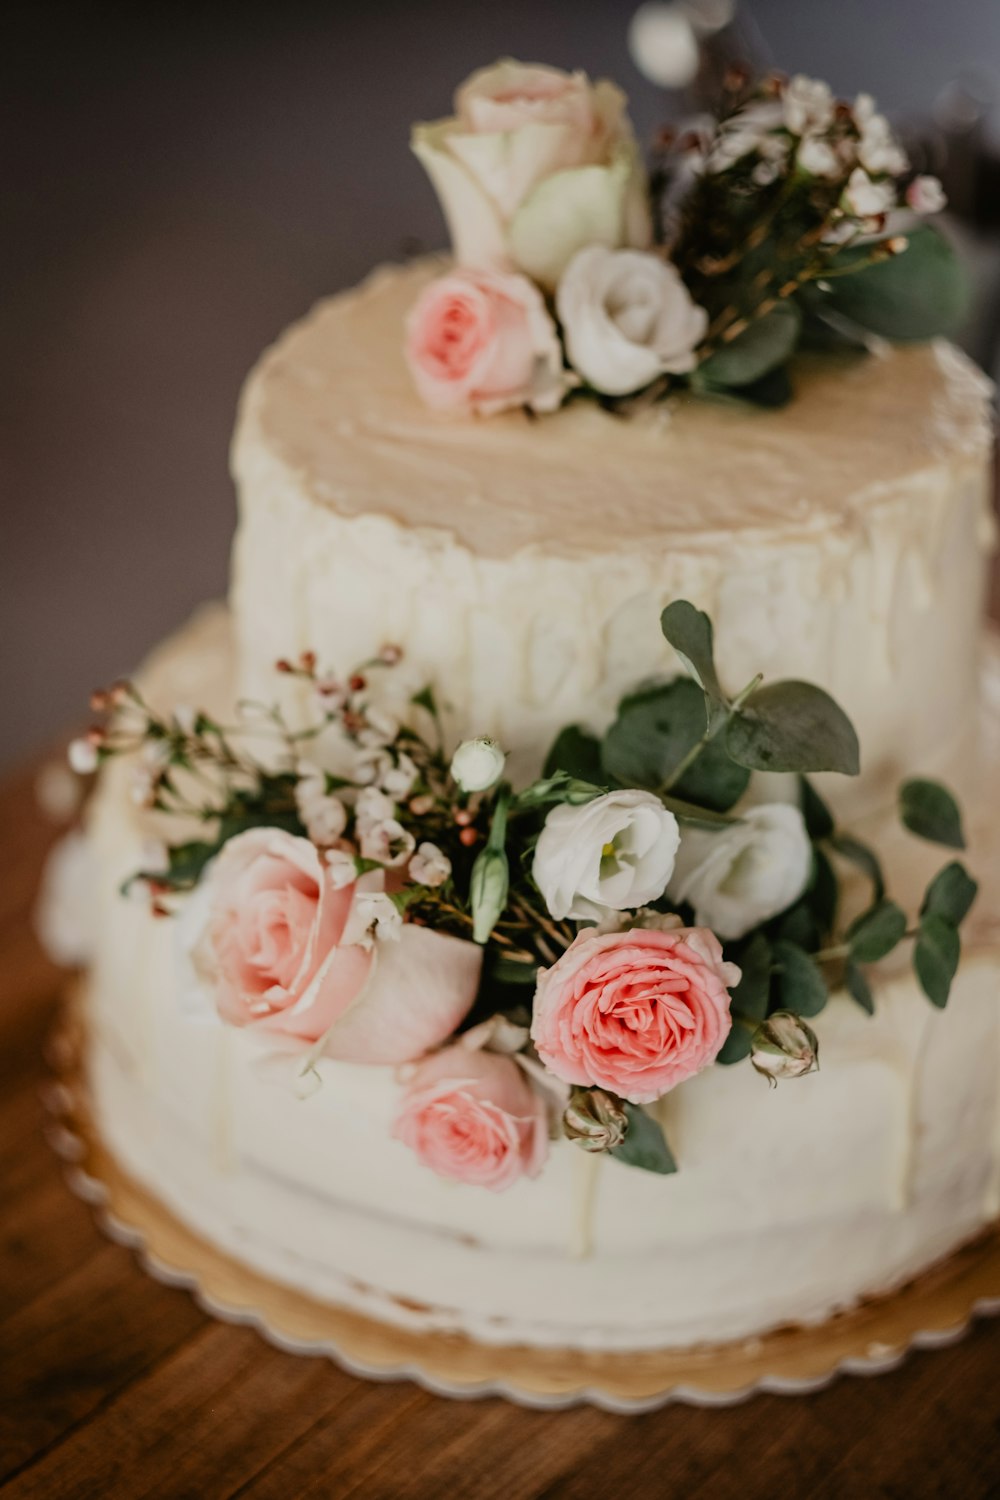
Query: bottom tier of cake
[(790, 1204)]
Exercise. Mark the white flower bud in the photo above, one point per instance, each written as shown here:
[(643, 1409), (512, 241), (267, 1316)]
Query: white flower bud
[(82, 756), (429, 866), (342, 868), (784, 1047), (477, 764)]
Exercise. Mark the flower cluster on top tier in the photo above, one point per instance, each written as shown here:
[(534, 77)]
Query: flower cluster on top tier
[(792, 217), (537, 961)]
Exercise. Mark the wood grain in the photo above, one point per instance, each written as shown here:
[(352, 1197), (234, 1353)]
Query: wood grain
[(114, 1385)]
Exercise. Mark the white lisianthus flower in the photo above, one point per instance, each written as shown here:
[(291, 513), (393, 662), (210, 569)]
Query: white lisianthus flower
[(533, 164), (925, 195), (808, 105), (429, 865), (867, 199), (324, 817), (746, 873), (627, 318), (477, 764), (614, 853)]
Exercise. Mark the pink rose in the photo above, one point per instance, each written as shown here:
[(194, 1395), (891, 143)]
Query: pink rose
[(635, 1012), (473, 1116), (481, 341), (266, 933)]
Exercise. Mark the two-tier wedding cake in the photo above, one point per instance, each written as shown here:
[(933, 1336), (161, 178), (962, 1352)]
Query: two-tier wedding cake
[(589, 742)]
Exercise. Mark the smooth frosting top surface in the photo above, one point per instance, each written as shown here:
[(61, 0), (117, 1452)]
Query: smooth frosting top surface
[(333, 402)]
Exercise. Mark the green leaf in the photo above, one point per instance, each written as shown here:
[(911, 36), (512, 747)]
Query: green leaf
[(919, 294), (764, 345), (798, 925), (935, 958), (185, 863), (507, 971), (736, 1047), (858, 987), (818, 817), (800, 984), (559, 787), (578, 753), (863, 859), (750, 996), (950, 894), (645, 1145), (930, 811), (771, 391), (689, 631), (654, 730), (876, 932), (793, 726), (697, 817), (823, 893)]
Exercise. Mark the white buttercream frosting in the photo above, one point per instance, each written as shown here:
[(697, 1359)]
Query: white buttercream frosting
[(525, 564), (790, 1203)]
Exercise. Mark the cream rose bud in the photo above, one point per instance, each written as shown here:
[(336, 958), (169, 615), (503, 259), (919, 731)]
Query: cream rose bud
[(482, 341), (627, 318), (534, 164), (614, 853), (746, 873), (477, 764)]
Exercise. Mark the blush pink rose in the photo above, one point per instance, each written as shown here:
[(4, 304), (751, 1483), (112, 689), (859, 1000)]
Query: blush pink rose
[(635, 1012), (482, 341), (267, 941), (473, 1116)]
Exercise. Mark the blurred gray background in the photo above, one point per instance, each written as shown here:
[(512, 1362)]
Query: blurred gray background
[(178, 182)]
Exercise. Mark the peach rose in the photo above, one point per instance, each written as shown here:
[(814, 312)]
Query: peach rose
[(473, 1116), (534, 164), (480, 341), (635, 1012), (265, 935)]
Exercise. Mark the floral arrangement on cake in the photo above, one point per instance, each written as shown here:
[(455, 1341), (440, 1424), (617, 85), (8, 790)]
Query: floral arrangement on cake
[(792, 220), (536, 961)]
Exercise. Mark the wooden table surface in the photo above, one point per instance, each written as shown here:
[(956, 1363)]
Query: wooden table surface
[(113, 1385)]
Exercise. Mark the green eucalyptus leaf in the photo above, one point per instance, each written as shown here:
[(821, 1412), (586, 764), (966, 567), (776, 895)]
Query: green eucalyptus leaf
[(697, 817), (645, 1145), (798, 925), (858, 987), (876, 932), (863, 859), (950, 894), (793, 726), (801, 987), (559, 787), (930, 811), (764, 345), (935, 958), (823, 893), (507, 971), (578, 754), (920, 294), (736, 1047), (654, 730), (689, 631), (751, 995), (818, 817)]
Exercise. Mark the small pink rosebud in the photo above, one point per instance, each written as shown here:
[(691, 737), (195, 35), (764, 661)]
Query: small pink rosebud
[(390, 655), (283, 665), (357, 683)]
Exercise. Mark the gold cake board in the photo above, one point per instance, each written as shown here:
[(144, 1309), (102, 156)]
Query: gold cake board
[(934, 1310)]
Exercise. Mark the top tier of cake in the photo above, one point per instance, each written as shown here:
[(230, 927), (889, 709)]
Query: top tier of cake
[(524, 563)]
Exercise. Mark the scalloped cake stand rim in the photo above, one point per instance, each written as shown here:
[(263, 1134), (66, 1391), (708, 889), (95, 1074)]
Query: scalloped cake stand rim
[(934, 1310)]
